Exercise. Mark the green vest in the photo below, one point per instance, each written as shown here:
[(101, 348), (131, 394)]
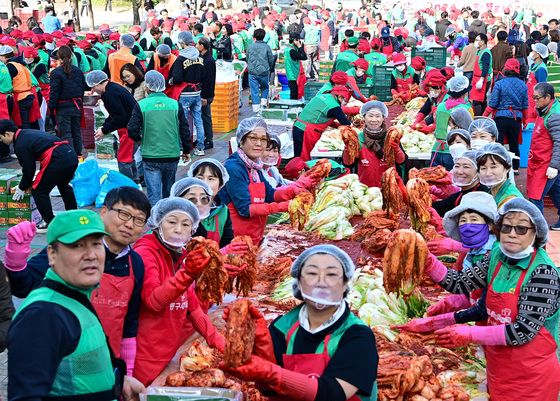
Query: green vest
[(327, 87), (214, 51), (101, 57), (374, 59), (505, 192), (197, 37), (88, 369), (238, 46), (312, 35), (160, 137), (286, 322), (141, 54), (44, 56), (555, 109), (409, 73), (94, 62), (247, 39), (344, 60), (34, 81), (209, 223), (291, 66), (272, 40), (442, 122), (479, 55), (84, 62), (99, 46), (315, 112), (5, 79), (508, 276)]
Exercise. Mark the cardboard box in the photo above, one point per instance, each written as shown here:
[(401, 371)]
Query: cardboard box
[(3, 217), (4, 202), (17, 216), (27, 203), (5, 180)]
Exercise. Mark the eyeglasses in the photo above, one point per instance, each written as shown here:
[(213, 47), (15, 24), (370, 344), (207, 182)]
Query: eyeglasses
[(203, 200), (125, 216), (255, 140), (538, 97), (519, 230), (313, 277)]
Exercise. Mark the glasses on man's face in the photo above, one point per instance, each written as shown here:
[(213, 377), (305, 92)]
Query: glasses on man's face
[(537, 98), (258, 140), (202, 200), (125, 216), (519, 230), (329, 278)]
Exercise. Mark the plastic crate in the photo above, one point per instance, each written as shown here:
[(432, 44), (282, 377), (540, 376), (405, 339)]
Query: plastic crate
[(224, 125), (382, 75), (383, 94), (366, 90), (435, 57), (224, 113), (311, 89)]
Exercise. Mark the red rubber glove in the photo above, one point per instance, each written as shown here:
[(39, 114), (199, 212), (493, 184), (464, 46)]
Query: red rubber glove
[(202, 323), (428, 324), (419, 118), (195, 263), (450, 303), (428, 129), (462, 335), (307, 182), (297, 386), (233, 270), (160, 297), (265, 209), (488, 111), (18, 245), (287, 192), (399, 153), (237, 248), (441, 246), (351, 110)]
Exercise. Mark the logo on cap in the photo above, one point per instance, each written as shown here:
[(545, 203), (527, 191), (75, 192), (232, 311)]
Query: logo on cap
[(84, 220)]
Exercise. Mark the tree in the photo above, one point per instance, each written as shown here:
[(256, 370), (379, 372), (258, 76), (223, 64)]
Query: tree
[(90, 15), (136, 4), (76, 7)]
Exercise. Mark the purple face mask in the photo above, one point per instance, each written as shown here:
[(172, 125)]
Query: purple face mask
[(474, 235)]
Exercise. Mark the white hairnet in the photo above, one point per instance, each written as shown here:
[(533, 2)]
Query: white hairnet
[(461, 132), (127, 40), (185, 38), (163, 50), (458, 84), (524, 206), (469, 155), (179, 188), (248, 125), (478, 201), (374, 105), (95, 77), (496, 149), (174, 204), (4, 49), (219, 166), (155, 81), (461, 117), (541, 49), (484, 124), (276, 139)]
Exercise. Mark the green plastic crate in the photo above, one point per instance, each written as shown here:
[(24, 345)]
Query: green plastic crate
[(435, 57), (311, 89), (367, 90), (382, 75), (383, 94)]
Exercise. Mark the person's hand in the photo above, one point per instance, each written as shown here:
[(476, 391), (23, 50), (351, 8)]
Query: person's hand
[(18, 194), (195, 264), (22, 233), (132, 388), (395, 146), (204, 102), (18, 245), (186, 157), (98, 135), (428, 324), (233, 270), (454, 336), (307, 182), (441, 246), (236, 248), (450, 303), (551, 173), (479, 83)]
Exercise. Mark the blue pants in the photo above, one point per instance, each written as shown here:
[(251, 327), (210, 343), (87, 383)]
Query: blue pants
[(259, 87), (551, 188), (194, 105), (159, 177)]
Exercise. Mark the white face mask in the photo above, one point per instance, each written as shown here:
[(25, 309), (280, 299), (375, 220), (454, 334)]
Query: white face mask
[(457, 149), (492, 184), (477, 144), (178, 241), (270, 161), (518, 255), (360, 73), (320, 297), (401, 67), (433, 94)]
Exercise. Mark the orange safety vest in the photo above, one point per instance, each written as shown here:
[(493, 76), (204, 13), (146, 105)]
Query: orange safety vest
[(164, 70), (21, 82), (116, 62)]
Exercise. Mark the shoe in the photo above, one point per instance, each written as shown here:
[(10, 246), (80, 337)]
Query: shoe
[(515, 172), (42, 227), (199, 152), (555, 227), (208, 145), (6, 159)]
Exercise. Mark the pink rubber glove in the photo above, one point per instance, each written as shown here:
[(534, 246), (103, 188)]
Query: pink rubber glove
[(237, 248), (450, 303), (18, 245), (128, 353), (202, 323), (435, 268), (462, 335), (436, 220), (428, 324), (441, 246)]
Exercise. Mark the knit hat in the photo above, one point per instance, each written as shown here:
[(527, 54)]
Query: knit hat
[(512, 65), (418, 63), (361, 63), (339, 78)]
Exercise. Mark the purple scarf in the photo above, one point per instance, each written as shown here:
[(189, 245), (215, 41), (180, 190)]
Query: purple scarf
[(253, 166)]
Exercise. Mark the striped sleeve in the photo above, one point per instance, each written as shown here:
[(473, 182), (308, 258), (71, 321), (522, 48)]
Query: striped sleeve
[(468, 280)]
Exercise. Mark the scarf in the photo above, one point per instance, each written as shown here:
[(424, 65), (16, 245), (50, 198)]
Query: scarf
[(253, 166), (375, 139)]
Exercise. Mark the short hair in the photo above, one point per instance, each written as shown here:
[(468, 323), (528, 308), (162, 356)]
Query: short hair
[(365, 35), (502, 36), (349, 33), (543, 88), (536, 35), (554, 36), (155, 30), (218, 23), (483, 37), (259, 34), (545, 27), (198, 27), (204, 42), (162, 10), (7, 125), (213, 169), (475, 14), (444, 14), (211, 5), (472, 36), (128, 196), (553, 20)]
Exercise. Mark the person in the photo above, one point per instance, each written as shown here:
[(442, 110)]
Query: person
[(271, 160), (58, 325), (57, 161), (482, 74), (117, 300), (538, 72), (67, 85), (389, 44), (460, 118), (37, 61), (316, 116), (311, 40), (371, 162), (118, 59), (160, 124), (420, 68), (342, 78), (476, 25), (442, 25), (169, 313), (523, 290), (161, 61), (247, 194), (155, 39), (294, 54), (469, 227), (50, 21), (494, 163), (358, 75), (218, 223), (221, 41), (186, 76), (468, 57), (208, 82), (133, 80), (344, 60), (199, 194), (508, 106), (501, 52), (119, 103), (403, 75), (544, 152), (260, 62), (434, 84), (457, 90), (292, 359)]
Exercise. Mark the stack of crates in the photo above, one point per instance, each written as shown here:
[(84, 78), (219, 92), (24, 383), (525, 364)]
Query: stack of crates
[(311, 89), (12, 212), (225, 107), (554, 77), (325, 70), (382, 82), (435, 57)]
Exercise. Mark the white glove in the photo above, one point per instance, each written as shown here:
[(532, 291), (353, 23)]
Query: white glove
[(551, 173), (18, 195), (479, 84)]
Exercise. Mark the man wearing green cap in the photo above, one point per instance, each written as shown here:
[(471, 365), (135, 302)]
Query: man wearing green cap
[(57, 347), (345, 59)]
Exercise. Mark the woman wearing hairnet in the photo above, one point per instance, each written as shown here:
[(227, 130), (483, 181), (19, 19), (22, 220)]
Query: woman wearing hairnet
[(371, 164), (523, 294), (319, 351), (271, 160), (248, 195), (169, 312), (494, 166)]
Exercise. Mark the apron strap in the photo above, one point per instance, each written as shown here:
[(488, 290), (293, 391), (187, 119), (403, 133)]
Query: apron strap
[(293, 330)]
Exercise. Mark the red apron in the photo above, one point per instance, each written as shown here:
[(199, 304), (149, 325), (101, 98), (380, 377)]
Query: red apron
[(4, 109), (174, 91), (370, 168), (478, 95), (77, 101), (215, 235), (403, 84), (34, 113), (45, 91), (252, 226), (311, 135), (387, 50), (301, 80), (531, 110), (110, 301), (125, 153), (540, 154), (525, 372)]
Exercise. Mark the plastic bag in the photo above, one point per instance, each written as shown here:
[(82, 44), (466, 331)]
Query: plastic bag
[(105, 148), (86, 182), (112, 179)]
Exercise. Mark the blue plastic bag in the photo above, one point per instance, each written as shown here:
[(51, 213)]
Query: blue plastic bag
[(112, 179), (86, 182)]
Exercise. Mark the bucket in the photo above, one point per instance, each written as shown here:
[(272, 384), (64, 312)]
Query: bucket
[(524, 147), (285, 94), (283, 79)]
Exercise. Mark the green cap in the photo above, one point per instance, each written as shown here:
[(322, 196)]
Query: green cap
[(353, 40), (73, 225)]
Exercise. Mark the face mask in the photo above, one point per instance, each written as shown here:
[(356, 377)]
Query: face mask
[(359, 73), (433, 94), (474, 235), (518, 255), (477, 144), (458, 183), (178, 241), (492, 184), (418, 72), (270, 161), (457, 149), (401, 67), (320, 298)]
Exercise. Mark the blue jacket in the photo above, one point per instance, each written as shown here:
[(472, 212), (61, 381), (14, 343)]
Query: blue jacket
[(236, 189), (509, 93), (51, 23)]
